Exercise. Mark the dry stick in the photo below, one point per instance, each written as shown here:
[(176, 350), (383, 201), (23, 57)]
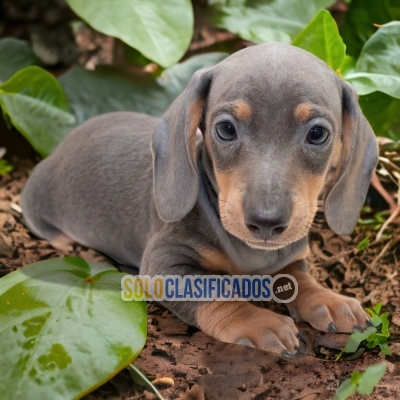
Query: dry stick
[(380, 255), (376, 183), (387, 222)]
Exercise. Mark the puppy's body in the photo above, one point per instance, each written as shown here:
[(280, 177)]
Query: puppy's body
[(241, 201)]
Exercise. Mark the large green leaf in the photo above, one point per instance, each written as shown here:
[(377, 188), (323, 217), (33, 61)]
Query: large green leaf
[(321, 38), (34, 102), (109, 89), (267, 20), (160, 30), (14, 55), (378, 67), (383, 113), (64, 329), (360, 20)]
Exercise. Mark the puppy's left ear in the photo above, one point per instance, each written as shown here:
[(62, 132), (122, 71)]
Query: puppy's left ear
[(359, 159)]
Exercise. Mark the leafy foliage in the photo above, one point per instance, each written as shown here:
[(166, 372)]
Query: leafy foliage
[(109, 89), (15, 55), (160, 30), (64, 329), (362, 20), (33, 101), (321, 38), (373, 336), (266, 21), (361, 382)]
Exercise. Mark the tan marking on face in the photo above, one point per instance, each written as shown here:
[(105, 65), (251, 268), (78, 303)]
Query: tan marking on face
[(241, 110), (303, 112), (216, 261)]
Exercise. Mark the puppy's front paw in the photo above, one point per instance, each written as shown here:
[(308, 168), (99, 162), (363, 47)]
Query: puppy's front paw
[(327, 311), (243, 323)]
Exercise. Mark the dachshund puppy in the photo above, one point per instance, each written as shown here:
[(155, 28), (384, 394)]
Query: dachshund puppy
[(279, 130)]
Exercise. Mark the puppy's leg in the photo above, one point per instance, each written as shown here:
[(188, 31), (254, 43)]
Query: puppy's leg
[(321, 307), (228, 321)]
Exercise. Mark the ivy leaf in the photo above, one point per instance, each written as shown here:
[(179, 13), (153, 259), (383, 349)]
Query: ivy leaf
[(65, 330), (160, 30), (266, 21), (321, 38), (378, 67), (34, 102)]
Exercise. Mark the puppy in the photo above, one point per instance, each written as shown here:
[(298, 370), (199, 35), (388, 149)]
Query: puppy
[(279, 129)]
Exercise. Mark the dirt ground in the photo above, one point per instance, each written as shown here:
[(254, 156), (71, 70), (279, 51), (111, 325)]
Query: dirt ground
[(202, 367)]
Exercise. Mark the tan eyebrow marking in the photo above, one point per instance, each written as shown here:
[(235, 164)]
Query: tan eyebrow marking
[(303, 112), (241, 110)]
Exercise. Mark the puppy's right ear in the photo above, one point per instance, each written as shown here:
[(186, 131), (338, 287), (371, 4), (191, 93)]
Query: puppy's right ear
[(175, 174)]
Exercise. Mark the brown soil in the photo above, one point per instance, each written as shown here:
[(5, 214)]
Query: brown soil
[(202, 367)]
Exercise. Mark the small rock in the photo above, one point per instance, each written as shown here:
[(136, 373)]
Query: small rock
[(164, 381), (195, 393)]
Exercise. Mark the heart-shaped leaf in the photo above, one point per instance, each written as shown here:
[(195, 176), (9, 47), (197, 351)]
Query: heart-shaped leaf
[(321, 38), (378, 67), (160, 30), (15, 54), (34, 102), (267, 21), (109, 89), (382, 112), (362, 19), (64, 329)]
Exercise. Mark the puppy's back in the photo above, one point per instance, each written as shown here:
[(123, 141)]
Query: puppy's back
[(103, 167)]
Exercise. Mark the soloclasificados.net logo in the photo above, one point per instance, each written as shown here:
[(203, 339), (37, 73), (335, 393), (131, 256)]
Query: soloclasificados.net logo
[(283, 288)]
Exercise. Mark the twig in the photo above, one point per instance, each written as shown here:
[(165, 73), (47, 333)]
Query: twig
[(380, 255), (376, 183), (387, 222)]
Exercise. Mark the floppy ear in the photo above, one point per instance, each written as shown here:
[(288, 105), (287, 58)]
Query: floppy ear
[(175, 174), (360, 156)]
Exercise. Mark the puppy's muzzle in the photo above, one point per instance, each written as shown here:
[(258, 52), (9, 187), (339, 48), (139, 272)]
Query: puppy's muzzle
[(268, 223)]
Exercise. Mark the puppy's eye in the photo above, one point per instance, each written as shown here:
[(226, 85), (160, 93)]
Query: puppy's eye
[(226, 131), (317, 135)]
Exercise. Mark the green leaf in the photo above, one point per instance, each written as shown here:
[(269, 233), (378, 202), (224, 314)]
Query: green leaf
[(372, 375), (382, 112), (345, 390), (355, 377), (141, 380), (109, 89), (321, 38), (356, 338), (378, 67), (160, 30), (34, 102), (65, 330), (360, 20), (5, 167), (385, 349), (262, 20), (385, 324), (377, 308), (363, 244), (15, 54)]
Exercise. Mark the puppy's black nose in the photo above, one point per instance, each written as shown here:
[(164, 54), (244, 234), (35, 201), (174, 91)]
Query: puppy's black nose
[(266, 225)]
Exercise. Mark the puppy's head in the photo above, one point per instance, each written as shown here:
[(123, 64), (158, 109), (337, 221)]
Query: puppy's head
[(280, 128)]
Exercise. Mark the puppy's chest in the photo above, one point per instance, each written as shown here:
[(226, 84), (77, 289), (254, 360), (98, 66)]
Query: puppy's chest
[(219, 261)]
